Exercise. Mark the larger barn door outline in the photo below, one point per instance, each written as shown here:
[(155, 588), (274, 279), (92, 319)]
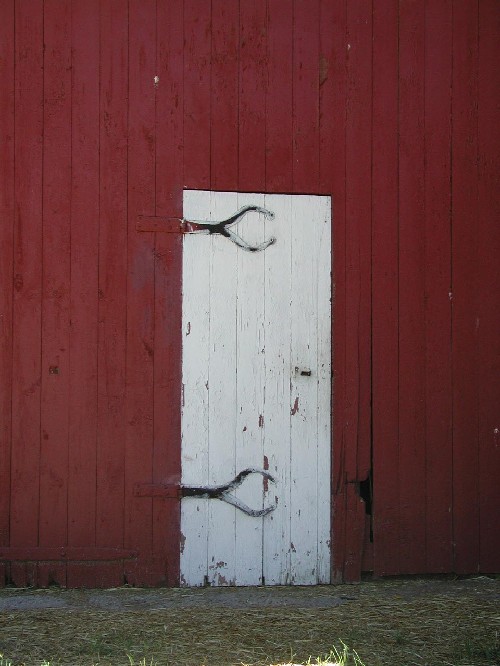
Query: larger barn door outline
[(256, 390)]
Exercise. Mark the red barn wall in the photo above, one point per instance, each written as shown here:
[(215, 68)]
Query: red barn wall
[(389, 106)]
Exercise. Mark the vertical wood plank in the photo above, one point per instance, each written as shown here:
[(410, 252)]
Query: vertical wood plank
[(303, 401), (7, 124), (197, 78), (305, 130), (252, 96), (329, 150), (140, 280), (112, 291), (222, 391), (324, 381), (224, 95), (168, 275), (356, 436), (250, 412), (438, 453), (27, 274), (195, 385), (56, 274), (279, 100), (489, 282), (278, 324), (412, 443), (385, 326), (84, 274), (358, 238), (465, 288)]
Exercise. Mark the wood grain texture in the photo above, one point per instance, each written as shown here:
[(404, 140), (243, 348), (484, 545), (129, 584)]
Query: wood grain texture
[(252, 96), (140, 285), (358, 239), (56, 242), (465, 289), (26, 353), (305, 129), (224, 95), (279, 97), (112, 289), (197, 93), (438, 385), (385, 311), (412, 258), (7, 125), (489, 280), (84, 266)]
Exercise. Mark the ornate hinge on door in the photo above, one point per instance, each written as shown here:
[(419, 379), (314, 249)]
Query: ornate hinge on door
[(181, 225), (222, 492)]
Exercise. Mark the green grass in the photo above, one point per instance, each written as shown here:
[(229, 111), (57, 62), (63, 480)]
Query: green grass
[(340, 656)]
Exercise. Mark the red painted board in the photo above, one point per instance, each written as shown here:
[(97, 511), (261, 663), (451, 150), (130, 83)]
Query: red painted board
[(252, 96), (27, 274), (305, 64), (385, 324), (56, 274), (465, 289), (23, 574), (84, 274), (224, 96), (339, 533), (329, 150), (412, 261), (112, 285), (6, 258), (438, 421), (333, 36), (355, 534), (140, 278), (168, 296), (488, 230), (197, 94), (51, 573), (278, 121), (91, 575), (358, 53)]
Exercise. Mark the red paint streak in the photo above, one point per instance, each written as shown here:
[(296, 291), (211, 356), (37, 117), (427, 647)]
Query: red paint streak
[(266, 467), (295, 407)]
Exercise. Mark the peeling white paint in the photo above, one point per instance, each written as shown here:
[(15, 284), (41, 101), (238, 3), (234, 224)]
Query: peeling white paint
[(254, 318)]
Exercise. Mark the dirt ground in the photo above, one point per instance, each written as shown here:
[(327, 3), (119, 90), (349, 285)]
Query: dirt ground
[(427, 621)]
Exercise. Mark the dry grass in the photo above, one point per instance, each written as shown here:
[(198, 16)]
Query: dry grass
[(400, 623)]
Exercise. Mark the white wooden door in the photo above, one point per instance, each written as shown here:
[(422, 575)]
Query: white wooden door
[(256, 391)]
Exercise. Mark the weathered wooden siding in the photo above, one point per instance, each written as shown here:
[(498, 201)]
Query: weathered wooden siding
[(390, 107)]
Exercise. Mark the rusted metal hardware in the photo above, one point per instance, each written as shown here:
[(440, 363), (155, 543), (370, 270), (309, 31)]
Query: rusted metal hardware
[(222, 228), (222, 492), (173, 225)]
